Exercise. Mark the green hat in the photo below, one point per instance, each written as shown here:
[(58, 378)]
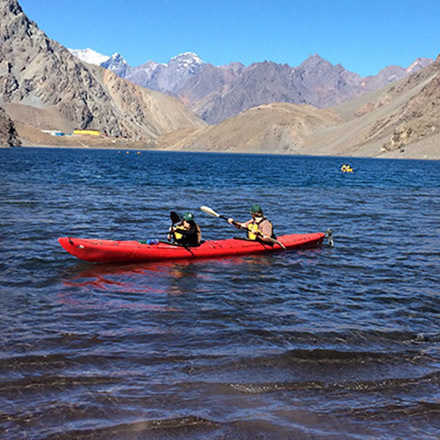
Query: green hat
[(188, 216), (256, 209)]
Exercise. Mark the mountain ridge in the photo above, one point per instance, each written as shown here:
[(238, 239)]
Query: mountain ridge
[(216, 93)]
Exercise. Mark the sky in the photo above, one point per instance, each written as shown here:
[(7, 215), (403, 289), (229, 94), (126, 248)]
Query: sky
[(363, 35)]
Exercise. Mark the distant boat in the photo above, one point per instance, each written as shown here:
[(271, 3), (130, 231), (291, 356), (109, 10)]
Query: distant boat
[(345, 168)]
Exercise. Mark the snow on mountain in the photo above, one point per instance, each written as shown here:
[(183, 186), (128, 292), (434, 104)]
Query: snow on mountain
[(187, 58), (188, 62), (117, 64), (89, 56)]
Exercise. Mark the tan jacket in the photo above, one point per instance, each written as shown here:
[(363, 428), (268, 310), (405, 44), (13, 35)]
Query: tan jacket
[(264, 226)]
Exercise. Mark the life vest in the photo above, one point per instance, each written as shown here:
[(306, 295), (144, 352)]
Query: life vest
[(177, 235), (254, 228), (180, 237), (252, 231)]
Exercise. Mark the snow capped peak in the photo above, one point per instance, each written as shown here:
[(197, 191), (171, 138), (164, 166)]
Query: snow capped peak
[(116, 57), (187, 63), (117, 64), (89, 56), (188, 56)]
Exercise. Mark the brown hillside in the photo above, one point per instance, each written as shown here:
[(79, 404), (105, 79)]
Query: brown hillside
[(271, 128)]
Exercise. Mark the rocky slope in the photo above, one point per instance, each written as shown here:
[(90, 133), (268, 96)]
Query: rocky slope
[(8, 133), (418, 117), (38, 72)]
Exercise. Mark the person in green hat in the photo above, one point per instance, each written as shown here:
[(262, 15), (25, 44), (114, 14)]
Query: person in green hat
[(187, 232), (258, 227)]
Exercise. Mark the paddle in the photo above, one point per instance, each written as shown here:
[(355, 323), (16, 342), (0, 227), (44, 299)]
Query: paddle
[(210, 211), (175, 218)]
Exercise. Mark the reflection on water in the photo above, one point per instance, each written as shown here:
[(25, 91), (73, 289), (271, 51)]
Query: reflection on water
[(167, 278)]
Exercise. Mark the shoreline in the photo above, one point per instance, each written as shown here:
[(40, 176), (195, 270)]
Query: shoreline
[(406, 155)]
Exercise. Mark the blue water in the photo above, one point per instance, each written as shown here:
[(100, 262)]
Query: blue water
[(330, 343)]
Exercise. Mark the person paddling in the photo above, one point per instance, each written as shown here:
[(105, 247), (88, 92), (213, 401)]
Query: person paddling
[(187, 232), (258, 227)]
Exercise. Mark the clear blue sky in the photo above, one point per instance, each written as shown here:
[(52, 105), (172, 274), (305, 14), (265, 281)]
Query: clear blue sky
[(362, 35)]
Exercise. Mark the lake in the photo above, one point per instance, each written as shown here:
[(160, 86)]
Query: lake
[(335, 342)]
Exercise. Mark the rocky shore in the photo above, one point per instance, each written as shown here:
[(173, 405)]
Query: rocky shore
[(8, 133)]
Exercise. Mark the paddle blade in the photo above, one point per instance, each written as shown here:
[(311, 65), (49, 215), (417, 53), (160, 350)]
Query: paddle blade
[(175, 218), (209, 211)]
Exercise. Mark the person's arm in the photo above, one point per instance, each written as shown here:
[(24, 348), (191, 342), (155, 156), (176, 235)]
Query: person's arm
[(266, 230), (239, 225)]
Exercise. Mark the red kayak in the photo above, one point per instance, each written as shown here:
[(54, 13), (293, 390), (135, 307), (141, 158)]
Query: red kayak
[(109, 251)]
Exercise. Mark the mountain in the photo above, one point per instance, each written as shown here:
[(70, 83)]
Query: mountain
[(42, 83), (89, 56), (315, 81), (401, 120), (117, 64), (418, 116), (418, 64), (392, 74), (216, 93), (398, 121), (166, 78), (210, 79), (163, 77)]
